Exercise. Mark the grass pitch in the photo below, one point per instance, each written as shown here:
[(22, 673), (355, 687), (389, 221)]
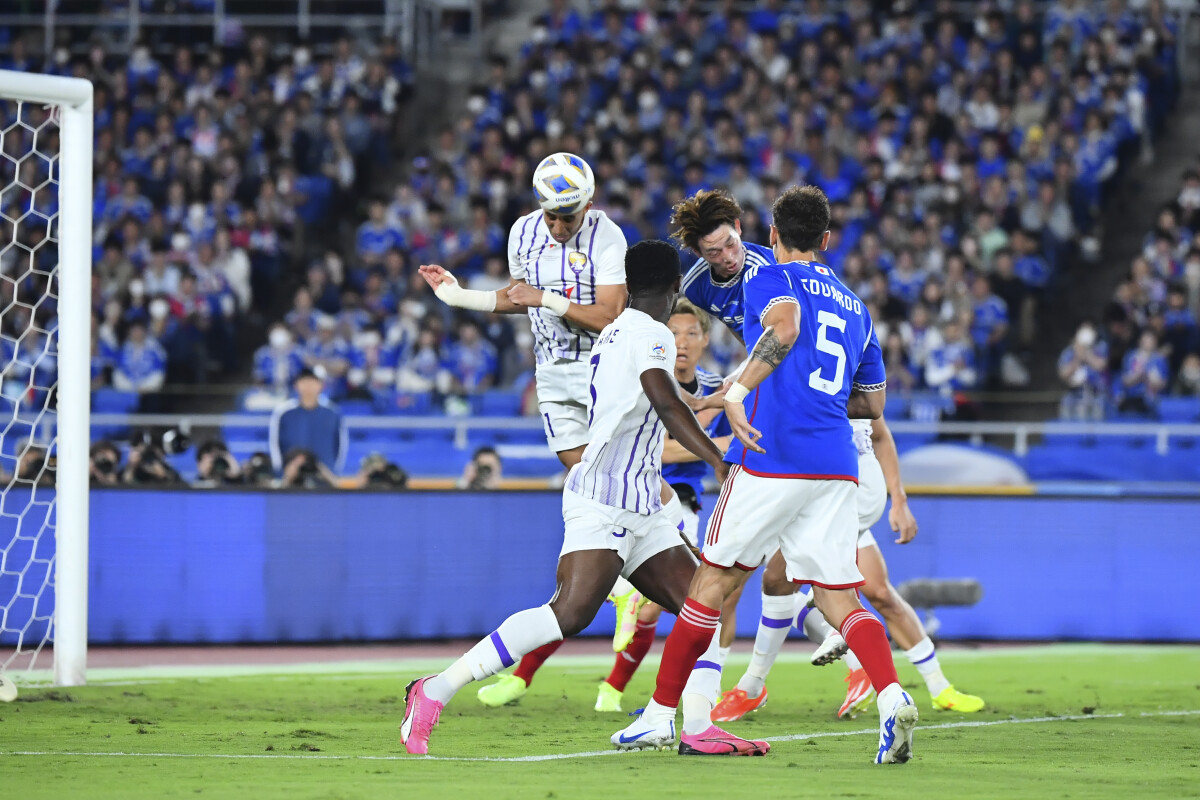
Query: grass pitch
[(1071, 721)]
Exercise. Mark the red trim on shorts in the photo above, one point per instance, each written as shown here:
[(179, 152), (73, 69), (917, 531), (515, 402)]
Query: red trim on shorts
[(830, 586), (800, 476), (718, 515), (742, 567)]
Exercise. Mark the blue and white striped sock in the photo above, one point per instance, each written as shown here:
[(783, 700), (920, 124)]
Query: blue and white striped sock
[(524, 631), (924, 658)]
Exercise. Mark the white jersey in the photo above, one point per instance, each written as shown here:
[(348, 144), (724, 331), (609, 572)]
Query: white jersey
[(862, 436), (622, 465), (593, 257)]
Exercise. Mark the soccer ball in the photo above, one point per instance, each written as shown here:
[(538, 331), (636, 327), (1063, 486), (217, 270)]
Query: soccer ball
[(563, 183), (8, 690)]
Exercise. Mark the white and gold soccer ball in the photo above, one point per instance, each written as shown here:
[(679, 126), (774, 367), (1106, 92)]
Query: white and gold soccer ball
[(8, 690), (563, 183)]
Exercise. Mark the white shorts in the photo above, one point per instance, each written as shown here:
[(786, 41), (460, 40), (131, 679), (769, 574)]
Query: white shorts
[(636, 538), (564, 395), (871, 497), (813, 522)]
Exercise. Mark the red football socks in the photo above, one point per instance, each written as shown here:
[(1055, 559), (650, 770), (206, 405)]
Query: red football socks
[(868, 641), (689, 639), (631, 657), (532, 661)]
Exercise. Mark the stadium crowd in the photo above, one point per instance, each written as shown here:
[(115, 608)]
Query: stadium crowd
[(967, 159), (1147, 343), (213, 170)]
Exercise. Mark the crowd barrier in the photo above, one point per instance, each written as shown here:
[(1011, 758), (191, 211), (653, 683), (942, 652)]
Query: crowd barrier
[(196, 566)]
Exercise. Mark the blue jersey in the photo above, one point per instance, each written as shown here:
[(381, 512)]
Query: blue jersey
[(801, 407), (724, 300), (693, 472)]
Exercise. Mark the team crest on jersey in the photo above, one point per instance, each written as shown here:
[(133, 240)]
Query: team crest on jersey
[(577, 260), (658, 351)]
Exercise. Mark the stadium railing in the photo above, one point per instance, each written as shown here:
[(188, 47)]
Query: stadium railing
[(1021, 434)]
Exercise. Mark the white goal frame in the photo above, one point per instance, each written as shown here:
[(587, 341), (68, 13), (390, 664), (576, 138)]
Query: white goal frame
[(73, 99)]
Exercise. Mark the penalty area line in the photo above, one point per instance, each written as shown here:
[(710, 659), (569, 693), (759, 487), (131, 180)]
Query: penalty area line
[(593, 753)]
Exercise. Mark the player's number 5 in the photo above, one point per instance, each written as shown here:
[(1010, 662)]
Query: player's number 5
[(827, 320)]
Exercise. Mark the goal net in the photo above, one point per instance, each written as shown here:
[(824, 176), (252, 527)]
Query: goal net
[(45, 320)]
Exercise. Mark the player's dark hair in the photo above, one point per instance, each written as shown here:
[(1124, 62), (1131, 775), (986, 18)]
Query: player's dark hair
[(651, 266), (684, 306), (699, 215), (801, 215)]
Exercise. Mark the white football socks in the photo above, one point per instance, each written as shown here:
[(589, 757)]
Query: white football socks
[(524, 631), (924, 658), (810, 620), (723, 655), (772, 631), (703, 689)]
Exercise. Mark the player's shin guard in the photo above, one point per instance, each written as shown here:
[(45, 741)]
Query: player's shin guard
[(866, 638), (772, 631), (517, 635), (631, 657), (703, 689), (532, 661), (694, 631)]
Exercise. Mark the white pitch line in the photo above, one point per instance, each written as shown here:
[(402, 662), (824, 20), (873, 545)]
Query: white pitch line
[(590, 753)]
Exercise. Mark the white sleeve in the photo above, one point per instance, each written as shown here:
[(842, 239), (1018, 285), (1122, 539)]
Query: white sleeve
[(515, 268), (610, 261), (653, 350)]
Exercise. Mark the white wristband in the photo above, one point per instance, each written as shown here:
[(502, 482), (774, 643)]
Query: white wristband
[(471, 299), (555, 303), (736, 394)]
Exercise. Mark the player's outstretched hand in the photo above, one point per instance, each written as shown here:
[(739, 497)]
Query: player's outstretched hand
[(524, 295), (698, 404), (901, 518), (741, 427), (435, 275)]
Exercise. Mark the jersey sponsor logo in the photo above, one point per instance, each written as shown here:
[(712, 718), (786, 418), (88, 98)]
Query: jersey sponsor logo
[(658, 351), (568, 290), (577, 261)]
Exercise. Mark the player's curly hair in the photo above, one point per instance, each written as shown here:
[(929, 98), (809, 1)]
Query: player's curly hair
[(651, 266), (699, 215), (685, 306), (801, 215)]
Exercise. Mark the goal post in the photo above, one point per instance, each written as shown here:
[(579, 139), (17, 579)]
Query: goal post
[(70, 101)]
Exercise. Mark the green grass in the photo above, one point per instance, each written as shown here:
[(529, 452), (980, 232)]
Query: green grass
[(311, 733)]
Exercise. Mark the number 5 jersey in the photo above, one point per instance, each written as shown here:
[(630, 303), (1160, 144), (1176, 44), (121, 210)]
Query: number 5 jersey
[(801, 408)]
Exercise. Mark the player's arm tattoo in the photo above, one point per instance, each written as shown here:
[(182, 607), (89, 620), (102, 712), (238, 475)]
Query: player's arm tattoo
[(769, 349)]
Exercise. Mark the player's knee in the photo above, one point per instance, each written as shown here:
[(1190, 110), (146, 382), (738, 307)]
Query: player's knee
[(777, 585), (882, 596), (571, 619)]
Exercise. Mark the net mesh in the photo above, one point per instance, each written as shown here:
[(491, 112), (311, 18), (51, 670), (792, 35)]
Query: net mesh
[(29, 163)]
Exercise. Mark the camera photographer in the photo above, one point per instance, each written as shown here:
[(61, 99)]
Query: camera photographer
[(303, 470), (483, 472), (215, 465), (35, 466), (258, 471), (376, 472), (147, 463), (104, 464)]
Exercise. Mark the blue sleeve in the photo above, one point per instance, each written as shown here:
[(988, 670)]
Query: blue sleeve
[(763, 288), (871, 376)]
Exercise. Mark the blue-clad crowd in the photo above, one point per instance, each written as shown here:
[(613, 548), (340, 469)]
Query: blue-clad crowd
[(215, 168), (1146, 344), (967, 157)]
